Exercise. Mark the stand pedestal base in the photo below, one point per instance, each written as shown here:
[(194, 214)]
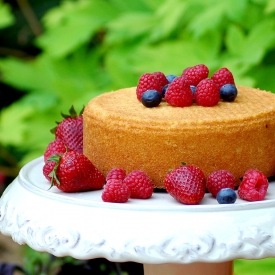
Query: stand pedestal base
[(225, 268)]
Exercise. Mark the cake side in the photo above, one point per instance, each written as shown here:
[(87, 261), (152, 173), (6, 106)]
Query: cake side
[(120, 132)]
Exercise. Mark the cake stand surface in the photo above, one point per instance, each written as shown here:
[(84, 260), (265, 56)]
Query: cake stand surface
[(164, 235)]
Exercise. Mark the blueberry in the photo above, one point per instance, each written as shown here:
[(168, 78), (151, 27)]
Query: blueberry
[(164, 89), (193, 89), (228, 92), (171, 77), (226, 196), (151, 98)]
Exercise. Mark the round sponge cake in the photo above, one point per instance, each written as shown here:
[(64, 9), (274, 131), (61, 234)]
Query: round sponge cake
[(119, 132)]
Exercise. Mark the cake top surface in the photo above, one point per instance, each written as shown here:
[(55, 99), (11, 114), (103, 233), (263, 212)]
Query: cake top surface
[(123, 105)]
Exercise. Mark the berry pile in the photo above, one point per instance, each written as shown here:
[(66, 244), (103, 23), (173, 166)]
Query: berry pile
[(188, 185), (65, 165), (120, 187), (193, 85)]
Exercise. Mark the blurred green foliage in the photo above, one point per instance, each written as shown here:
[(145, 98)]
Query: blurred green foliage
[(90, 47)]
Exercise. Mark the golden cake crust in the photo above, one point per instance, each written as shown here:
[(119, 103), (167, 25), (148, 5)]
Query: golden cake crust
[(120, 132)]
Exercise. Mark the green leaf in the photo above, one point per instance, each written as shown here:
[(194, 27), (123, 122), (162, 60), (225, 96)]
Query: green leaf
[(171, 57), (6, 16), (72, 25), (239, 8), (235, 39), (12, 126), (270, 7), (129, 27), (208, 19)]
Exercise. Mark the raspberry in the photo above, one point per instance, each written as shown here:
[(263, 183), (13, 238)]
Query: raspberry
[(207, 94), (140, 185), (56, 146), (161, 78), (116, 173), (186, 184), (253, 186), (179, 93), (115, 191), (196, 73), (223, 76), (147, 82), (218, 180)]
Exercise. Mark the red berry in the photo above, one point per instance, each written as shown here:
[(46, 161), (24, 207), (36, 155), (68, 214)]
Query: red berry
[(74, 172), (218, 180), (253, 186), (196, 73), (116, 191), (223, 76), (56, 146), (140, 185), (207, 93), (161, 78), (186, 184), (116, 173), (47, 169), (179, 93), (70, 130), (146, 82)]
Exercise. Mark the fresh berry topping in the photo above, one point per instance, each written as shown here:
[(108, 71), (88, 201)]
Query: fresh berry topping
[(223, 76), (218, 180), (164, 89), (226, 196), (70, 130), (179, 93), (151, 98), (47, 169), (56, 146), (254, 186), (196, 73), (207, 93), (161, 78), (140, 185), (186, 184), (171, 77), (147, 82), (116, 173), (193, 89), (228, 92), (115, 191), (74, 172)]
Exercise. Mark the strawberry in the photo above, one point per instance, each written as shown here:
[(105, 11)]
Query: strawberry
[(47, 169), (146, 82), (74, 172), (186, 184), (196, 73), (70, 130), (179, 93), (207, 93), (218, 180), (223, 76), (140, 185), (116, 173), (115, 190), (56, 146), (254, 186)]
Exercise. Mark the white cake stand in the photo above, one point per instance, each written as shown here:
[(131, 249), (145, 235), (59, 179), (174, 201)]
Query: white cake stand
[(164, 235)]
